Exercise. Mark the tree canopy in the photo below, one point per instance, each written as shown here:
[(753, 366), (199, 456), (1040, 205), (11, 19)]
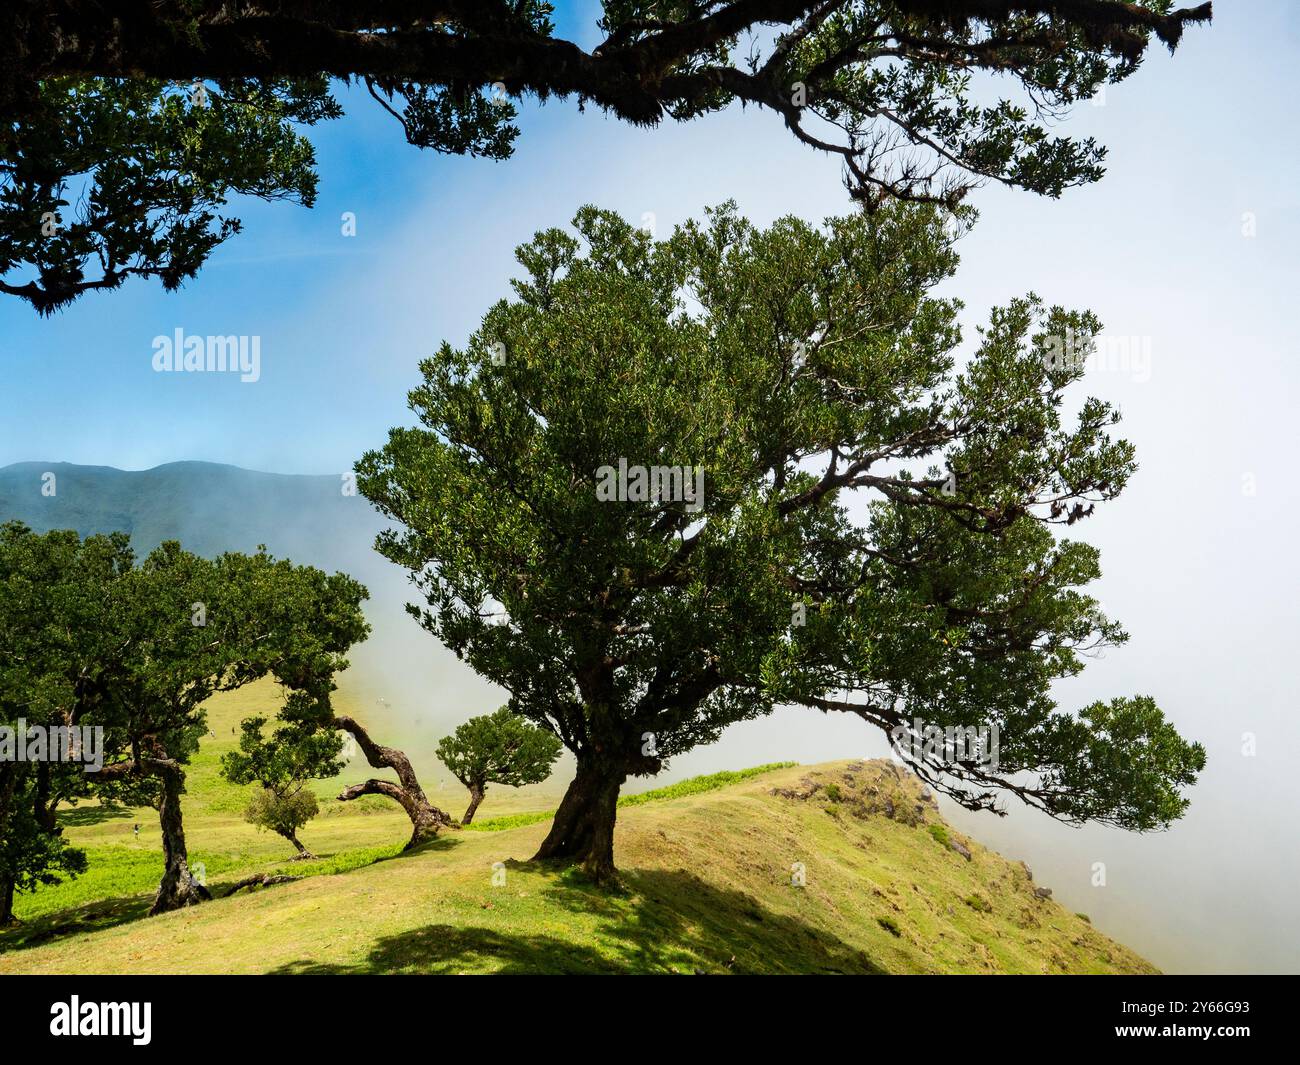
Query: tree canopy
[(497, 748), (832, 511), (50, 591), (148, 115)]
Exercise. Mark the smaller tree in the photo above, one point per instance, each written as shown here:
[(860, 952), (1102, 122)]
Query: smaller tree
[(282, 764), (498, 748), (283, 812)]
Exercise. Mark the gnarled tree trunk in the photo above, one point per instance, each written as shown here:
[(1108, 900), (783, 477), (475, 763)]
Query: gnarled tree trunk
[(476, 793), (303, 852), (583, 829), (426, 819), (179, 888)]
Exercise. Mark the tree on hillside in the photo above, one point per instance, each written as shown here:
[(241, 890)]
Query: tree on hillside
[(136, 650), (426, 819), (159, 111), (282, 764), (497, 748), (672, 484), (194, 627), (283, 812)]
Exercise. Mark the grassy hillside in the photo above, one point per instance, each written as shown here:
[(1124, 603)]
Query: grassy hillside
[(707, 869)]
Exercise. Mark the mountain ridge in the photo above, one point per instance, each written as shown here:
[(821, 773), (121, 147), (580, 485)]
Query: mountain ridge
[(209, 507), (205, 463)]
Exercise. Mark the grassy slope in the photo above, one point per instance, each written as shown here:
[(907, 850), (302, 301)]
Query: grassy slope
[(124, 870), (707, 887)]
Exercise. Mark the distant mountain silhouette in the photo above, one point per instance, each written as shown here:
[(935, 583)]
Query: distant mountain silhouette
[(208, 507)]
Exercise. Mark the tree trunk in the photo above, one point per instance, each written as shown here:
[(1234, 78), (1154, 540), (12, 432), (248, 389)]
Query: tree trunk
[(426, 819), (583, 829), (476, 793), (178, 887), (8, 789), (7, 918), (303, 853)]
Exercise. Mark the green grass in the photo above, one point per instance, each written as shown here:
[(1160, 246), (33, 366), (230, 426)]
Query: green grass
[(691, 786), (699, 785), (509, 821), (706, 886), (223, 849)]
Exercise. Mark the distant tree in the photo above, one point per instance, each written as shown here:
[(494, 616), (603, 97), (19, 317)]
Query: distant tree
[(283, 812), (674, 483), (149, 114), (282, 764), (497, 748)]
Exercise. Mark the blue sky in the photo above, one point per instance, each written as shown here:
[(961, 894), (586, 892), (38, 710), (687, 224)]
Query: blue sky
[(1199, 555), (1195, 143)]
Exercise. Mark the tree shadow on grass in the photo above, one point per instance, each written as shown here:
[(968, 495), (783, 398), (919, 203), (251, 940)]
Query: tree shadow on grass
[(659, 910), (662, 922), (445, 948), (443, 842), (107, 913), (80, 816), (78, 920)]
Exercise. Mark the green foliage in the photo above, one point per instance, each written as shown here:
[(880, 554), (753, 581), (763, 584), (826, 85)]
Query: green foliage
[(282, 764), (52, 594), (150, 122), (136, 650), (109, 179), (690, 786), (499, 748), (281, 812), (833, 792), (940, 834), (874, 520), (31, 855)]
